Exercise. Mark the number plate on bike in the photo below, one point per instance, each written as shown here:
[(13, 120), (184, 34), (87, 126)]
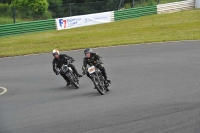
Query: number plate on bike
[(91, 69)]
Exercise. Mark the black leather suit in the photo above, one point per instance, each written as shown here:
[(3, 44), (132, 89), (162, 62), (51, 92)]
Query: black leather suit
[(58, 62), (94, 59)]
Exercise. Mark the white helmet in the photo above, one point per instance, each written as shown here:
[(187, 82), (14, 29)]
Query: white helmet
[(55, 51)]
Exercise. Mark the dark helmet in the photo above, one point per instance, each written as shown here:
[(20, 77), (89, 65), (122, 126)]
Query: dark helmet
[(87, 50)]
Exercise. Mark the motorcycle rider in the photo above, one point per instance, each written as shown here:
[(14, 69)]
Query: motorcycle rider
[(92, 58), (59, 60)]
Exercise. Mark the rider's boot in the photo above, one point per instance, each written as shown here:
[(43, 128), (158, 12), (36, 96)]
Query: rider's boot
[(79, 75), (76, 72), (68, 82), (105, 76), (106, 79)]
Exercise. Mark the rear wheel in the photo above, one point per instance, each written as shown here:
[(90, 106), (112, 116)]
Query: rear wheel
[(98, 85)]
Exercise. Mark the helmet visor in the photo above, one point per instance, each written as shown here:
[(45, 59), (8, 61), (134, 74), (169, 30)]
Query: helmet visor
[(87, 52), (55, 53)]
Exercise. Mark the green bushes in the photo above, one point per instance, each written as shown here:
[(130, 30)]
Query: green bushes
[(5, 10), (36, 6), (55, 7), (168, 1), (141, 3), (145, 3), (31, 9), (47, 9)]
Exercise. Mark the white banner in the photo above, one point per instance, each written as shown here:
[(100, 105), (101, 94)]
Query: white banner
[(83, 20)]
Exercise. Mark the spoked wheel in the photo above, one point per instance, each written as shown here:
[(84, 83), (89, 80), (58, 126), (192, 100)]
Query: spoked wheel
[(76, 84), (98, 85)]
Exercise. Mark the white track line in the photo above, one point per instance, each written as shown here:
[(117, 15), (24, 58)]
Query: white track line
[(4, 90)]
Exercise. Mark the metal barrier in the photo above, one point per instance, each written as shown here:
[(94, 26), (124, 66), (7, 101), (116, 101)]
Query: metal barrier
[(135, 12), (27, 27)]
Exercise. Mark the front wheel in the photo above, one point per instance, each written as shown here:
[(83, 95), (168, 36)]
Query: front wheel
[(73, 82), (98, 85)]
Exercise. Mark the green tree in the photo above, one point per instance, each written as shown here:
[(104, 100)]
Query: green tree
[(6, 1), (38, 6), (55, 7), (33, 8)]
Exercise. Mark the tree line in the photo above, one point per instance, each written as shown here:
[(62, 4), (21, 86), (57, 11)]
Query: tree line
[(45, 9)]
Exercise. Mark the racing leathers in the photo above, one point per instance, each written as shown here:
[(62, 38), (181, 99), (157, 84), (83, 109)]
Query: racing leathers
[(63, 60), (95, 60)]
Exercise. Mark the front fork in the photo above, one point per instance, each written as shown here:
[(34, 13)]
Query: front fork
[(71, 74), (98, 78)]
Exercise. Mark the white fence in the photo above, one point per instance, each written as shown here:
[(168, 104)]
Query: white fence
[(176, 6), (112, 16)]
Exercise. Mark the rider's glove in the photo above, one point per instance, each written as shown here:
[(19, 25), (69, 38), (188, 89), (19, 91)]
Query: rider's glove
[(71, 60), (84, 73), (99, 62)]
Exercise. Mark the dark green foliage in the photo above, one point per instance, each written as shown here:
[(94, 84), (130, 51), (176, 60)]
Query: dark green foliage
[(6, 1), (112, 5), (72, 9), (55, 7), (139, 3), (45, 9), (31, 8), (5, 10)]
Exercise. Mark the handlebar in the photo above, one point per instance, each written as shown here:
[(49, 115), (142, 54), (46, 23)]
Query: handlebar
[(70, 61)]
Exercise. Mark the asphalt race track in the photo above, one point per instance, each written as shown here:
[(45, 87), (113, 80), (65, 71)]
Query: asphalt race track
[(155, 89)]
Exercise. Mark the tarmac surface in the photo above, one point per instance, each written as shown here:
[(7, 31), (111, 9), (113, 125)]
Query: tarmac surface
[(155, 89)]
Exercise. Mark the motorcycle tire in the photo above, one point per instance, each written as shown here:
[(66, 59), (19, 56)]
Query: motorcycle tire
[(73, 83), (97, 84)]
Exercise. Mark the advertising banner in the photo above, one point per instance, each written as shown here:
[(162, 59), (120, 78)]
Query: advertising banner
[(83, 20)]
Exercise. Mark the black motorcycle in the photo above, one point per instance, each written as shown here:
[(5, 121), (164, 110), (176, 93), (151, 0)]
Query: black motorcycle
[(98, 79), (74, 79)]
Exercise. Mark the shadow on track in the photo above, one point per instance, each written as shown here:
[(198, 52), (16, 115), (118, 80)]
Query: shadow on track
[(72, 92)]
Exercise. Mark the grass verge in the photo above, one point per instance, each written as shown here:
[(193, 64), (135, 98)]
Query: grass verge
[(183, 25), (9, 20)]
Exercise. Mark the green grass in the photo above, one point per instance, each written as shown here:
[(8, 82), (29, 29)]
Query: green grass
[(142, 3), (183, 25), (5, 20), (168, 1), (9, 20)]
